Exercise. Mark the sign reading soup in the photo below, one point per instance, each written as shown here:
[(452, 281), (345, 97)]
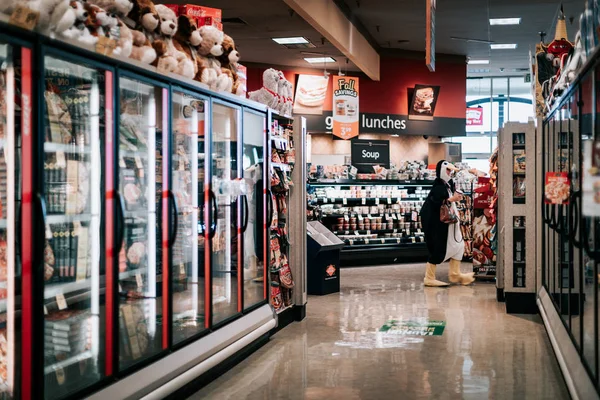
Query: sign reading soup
[(345, 107)]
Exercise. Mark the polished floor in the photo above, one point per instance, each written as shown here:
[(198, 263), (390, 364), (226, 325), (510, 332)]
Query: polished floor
[(339, 352)]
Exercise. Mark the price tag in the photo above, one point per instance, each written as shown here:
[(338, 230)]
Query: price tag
[(45, 311), (345, 201), (398, 240), (413, 239), (376, 201), (395, 230), (360, 217), (24, 17), (61, 301), (351, 242), (368, 232), (366, 241), (356, 233), (139, 280), (389, 200), (346, 232), (363, 201), (325, 200), (48, 232), (419, 187), (61, 160), (346, 218), (382, 241)]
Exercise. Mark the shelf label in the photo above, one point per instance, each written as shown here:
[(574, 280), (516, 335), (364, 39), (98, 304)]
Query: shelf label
[(368, 232), (366, 241), (382, 241), (360, 217), (346, 232), (61, 301), (345, 201), (139, 280), (363, 201), (346, 218), (356, 233), (389, 200), (369, 215), (413, 239), (376, 201), (325, 200)]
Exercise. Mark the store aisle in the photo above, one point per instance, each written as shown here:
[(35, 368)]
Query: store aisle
[(339, 351)]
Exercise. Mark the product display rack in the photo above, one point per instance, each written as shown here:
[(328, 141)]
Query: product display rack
[(465, 215), (138, 237), (375, 218)]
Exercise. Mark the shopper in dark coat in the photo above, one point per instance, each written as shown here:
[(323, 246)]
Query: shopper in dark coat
[(444, 241)]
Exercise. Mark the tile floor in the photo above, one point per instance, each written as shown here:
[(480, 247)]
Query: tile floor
[(338, 352)]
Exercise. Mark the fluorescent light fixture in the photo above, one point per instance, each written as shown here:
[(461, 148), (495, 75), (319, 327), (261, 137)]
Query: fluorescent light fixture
[(505, 21), (505, 46), (291, 40), (478, 62), (319, 60)]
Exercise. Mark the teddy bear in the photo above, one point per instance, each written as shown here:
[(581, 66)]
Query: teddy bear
[(77, 30), (99, 21), (142, 17), (187, 39), (119, 7), (165, 31), (268, 93), (137, 19), (229, 63), (289, 98), (125, 43), (55, 16), (210, 71)]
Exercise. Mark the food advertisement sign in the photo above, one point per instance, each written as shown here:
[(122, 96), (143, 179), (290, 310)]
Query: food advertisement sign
[(591, 178), (557, 188), (345, 107), (310, 94), (474, 116), (424, 100)]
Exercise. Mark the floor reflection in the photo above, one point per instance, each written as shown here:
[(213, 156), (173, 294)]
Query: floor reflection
[(338, 352)]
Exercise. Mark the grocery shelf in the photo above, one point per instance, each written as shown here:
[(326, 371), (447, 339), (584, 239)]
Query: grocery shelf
[(368, 232), (375, 215), (367, 182), (51, 290), (69, 361), (380, 241), (67, 218), (133, 272), (50, 147), (365, 201)]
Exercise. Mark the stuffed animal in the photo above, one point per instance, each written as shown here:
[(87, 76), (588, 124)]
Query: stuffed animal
[(142, 20), (289, 98), (125, 43), (229, 61), (187, 39), (164, 61), (99, 21), (76, 31), (210, 67), (143, 17), (281, 94), (268, 93), (166, 30), (55, 16), (119, 7)]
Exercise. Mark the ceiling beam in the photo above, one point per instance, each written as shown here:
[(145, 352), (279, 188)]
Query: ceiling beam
[(330, 21)]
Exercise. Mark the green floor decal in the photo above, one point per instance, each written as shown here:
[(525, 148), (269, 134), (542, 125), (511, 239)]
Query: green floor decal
[(414, 328)]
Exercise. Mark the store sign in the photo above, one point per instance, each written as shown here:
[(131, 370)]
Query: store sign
[(311, 91), (414, 328), (423, 102), (368, 153), (392, 124), (430, 35), (345, 107), (474, 116)]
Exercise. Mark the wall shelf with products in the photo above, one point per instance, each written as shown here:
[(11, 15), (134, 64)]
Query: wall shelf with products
[(377, 220)]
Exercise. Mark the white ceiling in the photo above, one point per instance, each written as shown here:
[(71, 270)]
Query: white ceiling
[(387, 22)]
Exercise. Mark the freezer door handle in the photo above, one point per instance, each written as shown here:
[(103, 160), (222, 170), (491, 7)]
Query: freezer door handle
[(39, 254), (246, 213), (120, 222), (173, 237), (270, 198), (215, 214)]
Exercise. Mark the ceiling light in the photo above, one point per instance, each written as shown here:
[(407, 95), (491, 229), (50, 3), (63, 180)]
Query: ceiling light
[(479, 71), (505, 21), (474, 62), (504, 46), (291, 40), (317, 60)]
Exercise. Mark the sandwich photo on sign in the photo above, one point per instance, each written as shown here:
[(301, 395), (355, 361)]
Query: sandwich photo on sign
[(311, 91), (424, 100)]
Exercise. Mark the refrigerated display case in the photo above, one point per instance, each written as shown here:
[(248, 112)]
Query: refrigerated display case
[(375, 219), (141, 204)]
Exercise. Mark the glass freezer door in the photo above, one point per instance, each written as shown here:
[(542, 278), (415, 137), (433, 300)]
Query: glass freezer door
[(10, 201), (226, 189), (187, 171), (73, 105), (140, 190), (253, 226)]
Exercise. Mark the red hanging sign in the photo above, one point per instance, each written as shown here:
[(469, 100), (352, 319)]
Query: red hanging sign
[(474, 116)]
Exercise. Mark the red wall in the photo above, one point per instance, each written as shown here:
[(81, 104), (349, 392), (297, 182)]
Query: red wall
[(390, 96)]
